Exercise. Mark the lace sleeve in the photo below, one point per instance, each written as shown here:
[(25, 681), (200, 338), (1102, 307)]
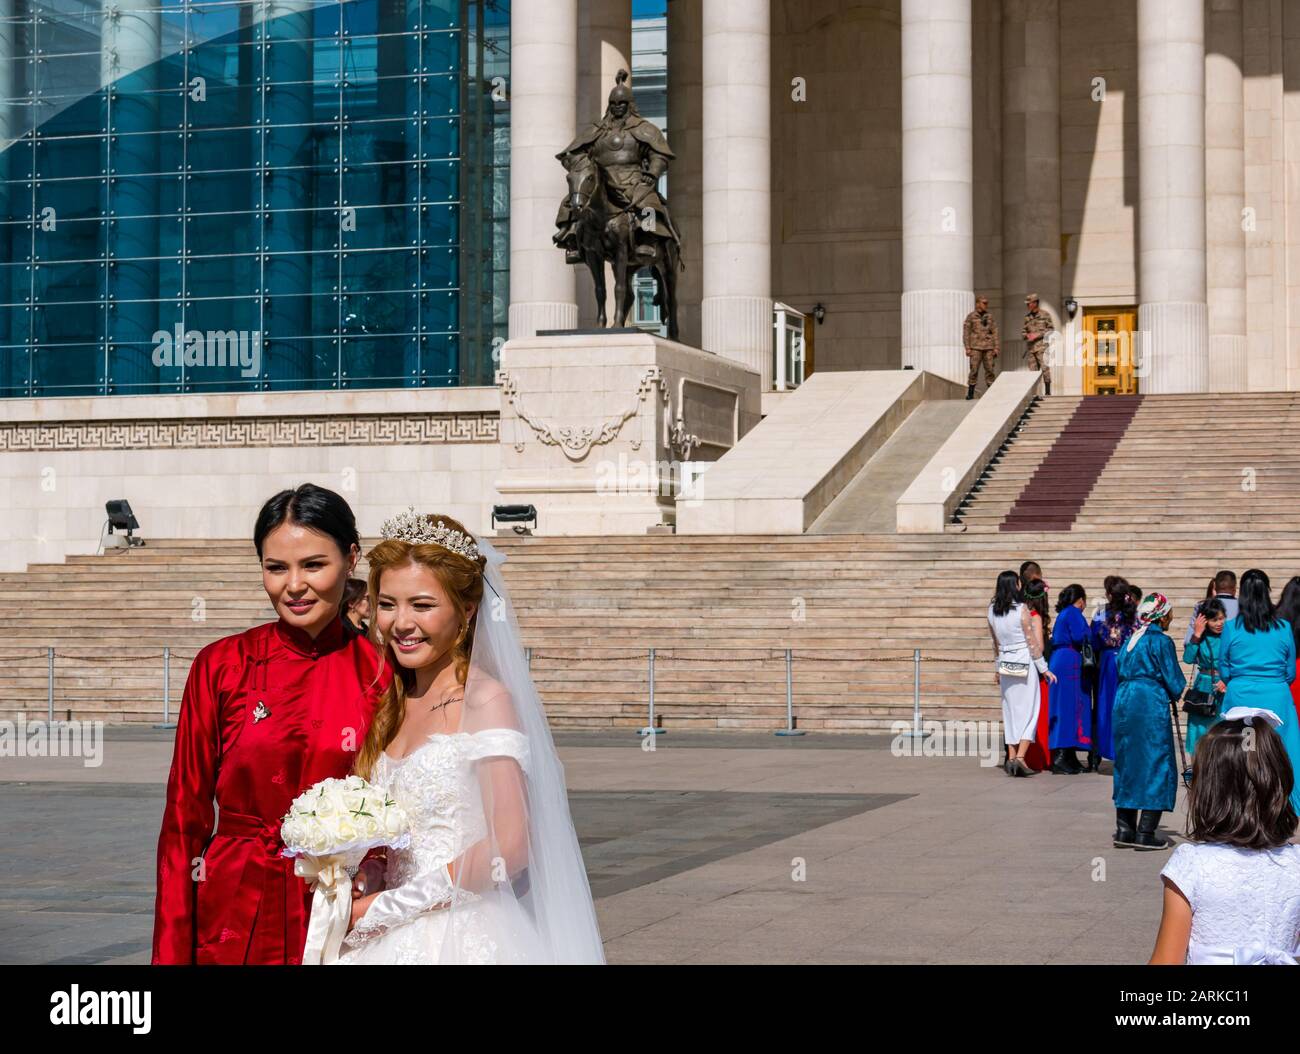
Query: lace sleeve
[(393, 907), (1181, 871), (1033, 628)]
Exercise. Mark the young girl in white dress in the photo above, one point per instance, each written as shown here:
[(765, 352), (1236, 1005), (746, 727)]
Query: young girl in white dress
[(1232, 894), (493, 873)]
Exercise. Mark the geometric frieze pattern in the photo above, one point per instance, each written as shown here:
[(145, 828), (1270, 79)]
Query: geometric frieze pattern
[(293, 431)]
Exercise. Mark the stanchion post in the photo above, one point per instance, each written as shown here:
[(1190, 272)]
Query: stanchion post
[(916, 732), (789, 729), (650, 729), (167, 721), (49, 690)]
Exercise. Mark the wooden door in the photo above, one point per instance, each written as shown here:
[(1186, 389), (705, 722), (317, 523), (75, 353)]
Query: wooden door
[(1108, 351)]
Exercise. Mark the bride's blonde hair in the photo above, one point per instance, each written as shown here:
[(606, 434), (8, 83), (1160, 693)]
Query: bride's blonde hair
[(462, 578)]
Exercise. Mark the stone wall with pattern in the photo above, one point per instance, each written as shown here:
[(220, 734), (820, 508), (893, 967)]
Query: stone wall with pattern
[(201, 466)]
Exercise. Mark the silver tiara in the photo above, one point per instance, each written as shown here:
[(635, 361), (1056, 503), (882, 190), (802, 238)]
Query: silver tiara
[(418, 529)]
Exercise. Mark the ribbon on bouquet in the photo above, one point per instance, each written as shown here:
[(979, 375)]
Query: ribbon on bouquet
[(331, 907)]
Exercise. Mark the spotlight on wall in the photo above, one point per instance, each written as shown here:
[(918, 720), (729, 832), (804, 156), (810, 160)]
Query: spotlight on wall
[(1071, 307), (819, 313), (519, 515), (121, 518)]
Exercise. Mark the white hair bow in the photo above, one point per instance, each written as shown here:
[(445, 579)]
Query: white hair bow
[(1249, 713)]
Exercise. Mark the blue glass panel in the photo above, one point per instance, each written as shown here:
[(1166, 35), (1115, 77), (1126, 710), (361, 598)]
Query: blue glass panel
[(62, 282), (393, 184), (215, 233), (68, 369), (383, 270)]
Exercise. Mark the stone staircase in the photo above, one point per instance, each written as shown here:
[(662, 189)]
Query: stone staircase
[(720, 611), (1225, 462), (1055, 493)]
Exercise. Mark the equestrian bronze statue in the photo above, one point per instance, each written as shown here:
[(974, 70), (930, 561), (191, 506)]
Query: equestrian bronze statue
[(614, 211)]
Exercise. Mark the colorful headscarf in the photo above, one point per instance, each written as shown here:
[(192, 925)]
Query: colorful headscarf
[(1153, 608)]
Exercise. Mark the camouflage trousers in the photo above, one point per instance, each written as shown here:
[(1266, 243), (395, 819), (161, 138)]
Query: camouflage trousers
[(977, 356), (1037, 356)]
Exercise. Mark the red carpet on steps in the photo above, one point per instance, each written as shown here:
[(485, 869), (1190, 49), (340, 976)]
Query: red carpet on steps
[(1060, 485)]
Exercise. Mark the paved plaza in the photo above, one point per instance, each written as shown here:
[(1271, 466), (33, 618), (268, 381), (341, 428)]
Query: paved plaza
[(712, 848)]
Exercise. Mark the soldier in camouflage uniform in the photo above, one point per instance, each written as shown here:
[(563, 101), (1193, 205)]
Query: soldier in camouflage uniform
[(1038, 324), (979, 336)]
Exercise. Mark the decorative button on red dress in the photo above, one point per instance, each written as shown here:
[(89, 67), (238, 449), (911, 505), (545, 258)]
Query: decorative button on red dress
[(266, 714)]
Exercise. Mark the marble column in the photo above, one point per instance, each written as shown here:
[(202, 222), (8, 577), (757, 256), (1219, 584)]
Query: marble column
[(938, 181), (685, 136), (1172, 313), (604, 48), (1225, 197), (736, 309), (1031, 167), (543, 100)]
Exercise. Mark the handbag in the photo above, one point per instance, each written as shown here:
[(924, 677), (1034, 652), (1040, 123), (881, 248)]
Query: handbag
[(1198, 703), (1013, 669), (1087, 657)]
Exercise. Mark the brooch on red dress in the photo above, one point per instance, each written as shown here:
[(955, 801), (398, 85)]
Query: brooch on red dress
[(260, 711)]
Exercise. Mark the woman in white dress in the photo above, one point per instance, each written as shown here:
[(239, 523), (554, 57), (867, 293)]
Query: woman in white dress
[(493, 873), (1018, 649)]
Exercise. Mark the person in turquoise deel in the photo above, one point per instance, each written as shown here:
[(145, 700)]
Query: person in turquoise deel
[(1257, 663), (1202, 651), (1146, 774)]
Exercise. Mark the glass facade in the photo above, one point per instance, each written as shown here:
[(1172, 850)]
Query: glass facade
[(253, 195)]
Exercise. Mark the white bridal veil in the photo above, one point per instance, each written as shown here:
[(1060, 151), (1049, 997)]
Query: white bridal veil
[(521, 886)]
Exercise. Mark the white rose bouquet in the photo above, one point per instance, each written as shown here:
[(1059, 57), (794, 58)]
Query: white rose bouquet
[(329, 828)]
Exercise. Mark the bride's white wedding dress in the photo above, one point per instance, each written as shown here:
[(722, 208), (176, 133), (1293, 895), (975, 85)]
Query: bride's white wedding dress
[(491, 797), (438, 787)]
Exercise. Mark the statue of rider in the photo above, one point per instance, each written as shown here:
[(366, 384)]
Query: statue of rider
[(631, 154)]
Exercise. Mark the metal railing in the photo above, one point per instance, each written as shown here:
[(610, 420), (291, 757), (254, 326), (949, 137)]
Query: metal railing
[(652, 656)]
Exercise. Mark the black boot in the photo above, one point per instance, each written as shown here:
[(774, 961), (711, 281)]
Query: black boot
[(1061, 763), (1094, 762), (1048, 386), (1126, 828), (970, 391), (1147, 838), (1072, 761)]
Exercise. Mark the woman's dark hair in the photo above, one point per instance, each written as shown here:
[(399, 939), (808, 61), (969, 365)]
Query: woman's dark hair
[(1289, 608), (1255, 605), (313, 507), (1210, 590), (1070, 595), (1007, 593), (1241, 787), (1109, 583), (1135, 594), (1119, 600), (354, 589), (1212, 609), (1038, 604)]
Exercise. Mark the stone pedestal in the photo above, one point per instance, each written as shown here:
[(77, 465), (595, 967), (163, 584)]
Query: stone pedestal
[(596, 428)]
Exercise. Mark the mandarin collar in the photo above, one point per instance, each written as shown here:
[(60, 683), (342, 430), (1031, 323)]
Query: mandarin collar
[(331, 638)]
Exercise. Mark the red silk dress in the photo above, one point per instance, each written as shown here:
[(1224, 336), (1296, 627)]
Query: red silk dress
[(266, 714), (1039, 756)]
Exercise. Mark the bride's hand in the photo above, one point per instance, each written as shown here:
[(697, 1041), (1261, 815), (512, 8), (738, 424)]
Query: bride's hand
[(370, 878), (360, 906)]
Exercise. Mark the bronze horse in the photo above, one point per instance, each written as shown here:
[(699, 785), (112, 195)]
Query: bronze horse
[(608, 233)]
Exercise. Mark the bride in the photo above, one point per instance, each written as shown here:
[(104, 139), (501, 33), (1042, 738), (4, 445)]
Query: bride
[(493, 873)]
